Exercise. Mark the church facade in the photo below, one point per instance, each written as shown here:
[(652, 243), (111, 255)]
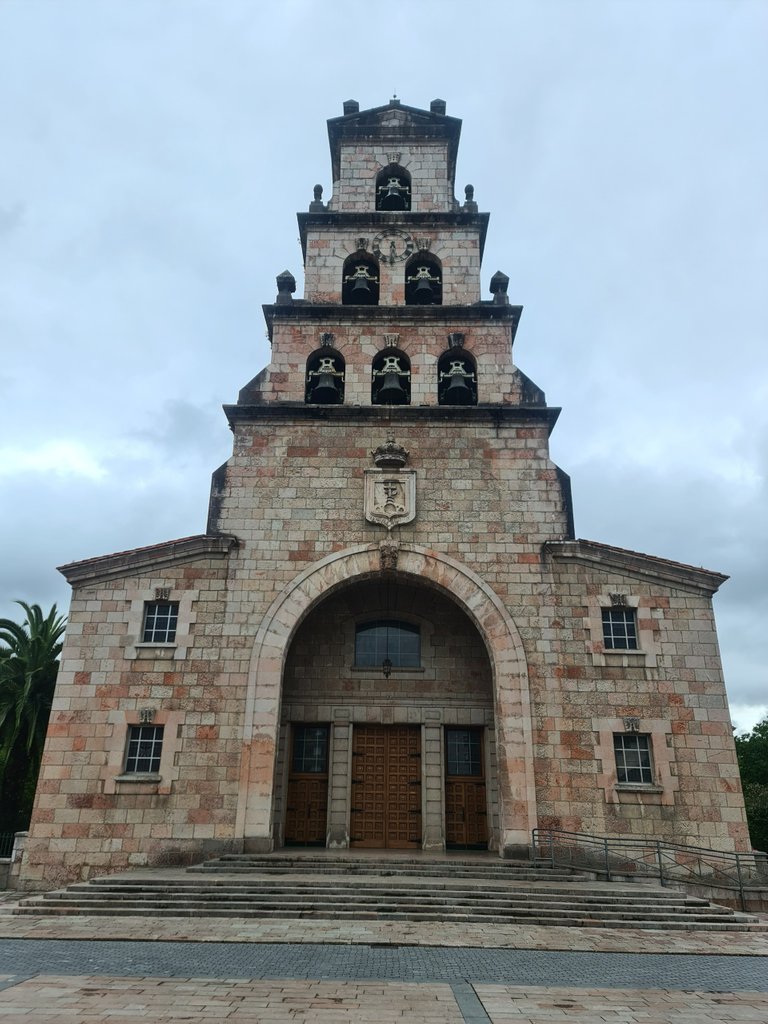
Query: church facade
[(388, 636)]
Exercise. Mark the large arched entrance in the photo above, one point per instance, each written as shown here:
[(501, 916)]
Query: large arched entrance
[(387, 738), (320, 703)]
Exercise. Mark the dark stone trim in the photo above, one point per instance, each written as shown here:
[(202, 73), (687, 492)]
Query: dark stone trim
[(334, 314), (565, 488), (346, 415)]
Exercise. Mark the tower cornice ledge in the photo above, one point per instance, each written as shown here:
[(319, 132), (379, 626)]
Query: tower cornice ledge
[(507, 415), (155, 556), (634, 563), (414, 220), (331, 314)]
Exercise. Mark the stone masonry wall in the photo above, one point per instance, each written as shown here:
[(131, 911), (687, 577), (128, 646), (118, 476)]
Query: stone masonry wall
[(85, 820), (431, 189)]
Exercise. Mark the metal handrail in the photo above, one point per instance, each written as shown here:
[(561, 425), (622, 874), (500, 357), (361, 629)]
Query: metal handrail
[(6, 844), (652, 858)]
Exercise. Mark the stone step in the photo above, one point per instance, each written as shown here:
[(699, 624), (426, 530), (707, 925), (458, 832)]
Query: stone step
[(575, 919), (447, 895)]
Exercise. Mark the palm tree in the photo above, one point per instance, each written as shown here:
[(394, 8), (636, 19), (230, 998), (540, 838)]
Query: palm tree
[(29, 654)]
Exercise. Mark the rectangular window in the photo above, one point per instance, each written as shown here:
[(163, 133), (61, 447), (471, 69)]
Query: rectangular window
[(398, 643), (619, 629), (633, 758), (145, 744), (463, 752), (160, 622), (310, 749)]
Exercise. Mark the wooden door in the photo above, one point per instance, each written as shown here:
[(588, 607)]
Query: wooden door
[(307, 808), (466, 813), (386, 787)]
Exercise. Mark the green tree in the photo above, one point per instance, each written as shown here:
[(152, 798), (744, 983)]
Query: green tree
[(29, 653), (752, 752)]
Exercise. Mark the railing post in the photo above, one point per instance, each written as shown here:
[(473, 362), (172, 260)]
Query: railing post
[(552, 848), (607, 860), (660, 861), (741, 883)]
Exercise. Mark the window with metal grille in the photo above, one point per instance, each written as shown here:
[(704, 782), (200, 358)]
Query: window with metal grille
[(399, 643), (619, 629), (160, 619), (633, 757), (463, 752), (145, 745), (310, 749)]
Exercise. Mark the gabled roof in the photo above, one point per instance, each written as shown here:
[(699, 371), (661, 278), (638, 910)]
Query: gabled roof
[(155, 556), (634, 563), (392, 123)]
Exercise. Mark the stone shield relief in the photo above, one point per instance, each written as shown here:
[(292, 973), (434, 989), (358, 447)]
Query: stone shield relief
[(390, 496)]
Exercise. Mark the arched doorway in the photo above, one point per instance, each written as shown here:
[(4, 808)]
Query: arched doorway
[(265, 728), (387, 736)]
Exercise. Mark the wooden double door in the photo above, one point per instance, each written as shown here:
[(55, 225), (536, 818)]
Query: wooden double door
[(386, 787)]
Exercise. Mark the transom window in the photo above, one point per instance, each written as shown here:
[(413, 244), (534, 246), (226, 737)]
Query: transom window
[(145, 745), (160, 619), (310, 749), (399, 643), (633, 758), (619, 629), (463, 752)]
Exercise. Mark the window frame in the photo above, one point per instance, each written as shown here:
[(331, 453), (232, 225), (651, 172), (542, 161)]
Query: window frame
[(609, 619), (643, 748), (160, 635), (134, 738), (407, 628)]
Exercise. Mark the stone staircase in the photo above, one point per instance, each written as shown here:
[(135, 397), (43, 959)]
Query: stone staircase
[(394, 888)]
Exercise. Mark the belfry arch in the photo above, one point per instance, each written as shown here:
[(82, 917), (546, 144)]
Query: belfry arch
[(256, 825)]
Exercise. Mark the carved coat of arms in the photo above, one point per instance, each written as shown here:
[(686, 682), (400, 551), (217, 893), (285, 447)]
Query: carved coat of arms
[(390, 496)]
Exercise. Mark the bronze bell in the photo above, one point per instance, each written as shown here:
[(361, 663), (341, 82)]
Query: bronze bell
[(422, 293), (393, 195), (392, 391), (327, 390), (361, 293), (459, 392)]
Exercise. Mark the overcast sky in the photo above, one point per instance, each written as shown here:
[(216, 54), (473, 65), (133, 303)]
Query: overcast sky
[(155, 152)]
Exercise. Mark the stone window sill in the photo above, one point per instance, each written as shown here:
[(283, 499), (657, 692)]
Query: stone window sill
[(632, 652), (377, 670), (139, 777), (156, 651)]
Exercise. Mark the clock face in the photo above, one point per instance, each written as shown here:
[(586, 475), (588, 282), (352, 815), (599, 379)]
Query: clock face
[(392, 246)]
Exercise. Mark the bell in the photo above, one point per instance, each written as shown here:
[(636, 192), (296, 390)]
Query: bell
[(361, 293), (392, 197), (422, 293), (458, 391), (327, 391), (392, 391)]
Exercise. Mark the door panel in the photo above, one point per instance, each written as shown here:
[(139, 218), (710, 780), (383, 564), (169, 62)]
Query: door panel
[(466, 814), (307, 807), (386, 787)]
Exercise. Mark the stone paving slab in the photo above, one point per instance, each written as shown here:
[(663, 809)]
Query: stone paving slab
[(77, 1000), (53, 999), (386, 932), (507, 1004)]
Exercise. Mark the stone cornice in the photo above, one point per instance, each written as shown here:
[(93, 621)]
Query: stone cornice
[(498, 415), (373, 221), (332, 314), (154, 557), (634, 563)]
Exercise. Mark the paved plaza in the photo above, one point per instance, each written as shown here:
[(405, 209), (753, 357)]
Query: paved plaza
[(116, 971)]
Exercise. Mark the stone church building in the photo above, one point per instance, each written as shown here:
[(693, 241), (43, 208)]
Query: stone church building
[(388, 636)]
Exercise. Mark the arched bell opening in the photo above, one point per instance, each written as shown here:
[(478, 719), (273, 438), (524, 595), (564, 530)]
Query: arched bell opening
[(423, 280), (387, 683), (360, 280), (391, 378), (393, 188), (325, 378), (456, 378)]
